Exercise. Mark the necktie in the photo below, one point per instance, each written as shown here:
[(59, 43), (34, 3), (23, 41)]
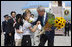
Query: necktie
[(14, 20), (43, 20)]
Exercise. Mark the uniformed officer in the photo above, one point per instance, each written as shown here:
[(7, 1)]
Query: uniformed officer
[(6, 30)]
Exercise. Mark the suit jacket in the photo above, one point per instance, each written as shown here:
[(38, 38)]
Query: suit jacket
[(40, 19), (10, 24), (67, 26), (5, 27)]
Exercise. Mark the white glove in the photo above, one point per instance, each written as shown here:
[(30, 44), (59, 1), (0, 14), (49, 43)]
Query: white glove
[(4, 32)]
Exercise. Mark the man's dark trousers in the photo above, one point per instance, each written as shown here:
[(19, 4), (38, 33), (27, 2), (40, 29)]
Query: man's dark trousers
[(47, 36), (66, 32), (7, 40)]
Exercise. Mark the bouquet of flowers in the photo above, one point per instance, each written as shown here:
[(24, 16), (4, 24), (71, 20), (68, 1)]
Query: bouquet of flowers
[(50, 22), (60, 22)]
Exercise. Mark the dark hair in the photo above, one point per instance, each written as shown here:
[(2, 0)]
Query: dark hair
[(32, 14), (13, 12), (6, 15), (17, 17), (24, 15)]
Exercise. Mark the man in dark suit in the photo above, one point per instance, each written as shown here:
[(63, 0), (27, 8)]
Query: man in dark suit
[(11, 24), (6, 30), (49, 34), (67, 26)]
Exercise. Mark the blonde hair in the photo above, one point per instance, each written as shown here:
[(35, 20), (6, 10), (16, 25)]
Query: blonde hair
[(27, 11)]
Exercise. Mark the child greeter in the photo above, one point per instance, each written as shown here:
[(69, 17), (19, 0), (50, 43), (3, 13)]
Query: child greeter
[(18, 30), (27, 29), (36, 35)]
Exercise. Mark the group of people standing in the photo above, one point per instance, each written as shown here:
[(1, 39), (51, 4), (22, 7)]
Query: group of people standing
[(18, 29)]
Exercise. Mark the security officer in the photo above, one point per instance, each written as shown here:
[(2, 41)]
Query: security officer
[(6, 30), (67, 26)]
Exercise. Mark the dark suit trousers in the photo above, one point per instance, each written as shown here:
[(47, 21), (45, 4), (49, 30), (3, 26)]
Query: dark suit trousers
[(26, 40), (7, 40), (44, 38), (66, 32), (12, 41)]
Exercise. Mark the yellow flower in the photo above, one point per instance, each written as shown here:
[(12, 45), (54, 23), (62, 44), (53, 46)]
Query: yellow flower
[(61, 18), (56, 17), (59, 27), (63, 24), (59, 22)]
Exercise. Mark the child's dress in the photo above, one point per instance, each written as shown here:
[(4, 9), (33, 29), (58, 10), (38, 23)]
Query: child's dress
[(36, 37), (18, 36)]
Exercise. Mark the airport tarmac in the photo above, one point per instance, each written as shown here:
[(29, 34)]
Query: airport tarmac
[(58, 40)]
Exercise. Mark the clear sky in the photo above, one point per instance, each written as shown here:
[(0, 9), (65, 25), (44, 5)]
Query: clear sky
[(8, 6)]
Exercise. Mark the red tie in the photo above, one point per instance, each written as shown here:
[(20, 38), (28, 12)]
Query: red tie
[(14, 20)]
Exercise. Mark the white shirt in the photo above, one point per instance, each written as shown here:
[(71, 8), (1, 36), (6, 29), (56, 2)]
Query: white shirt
[(44, 16), (18, 35), (14, 19), (6, 20), (23, 20), (37, 32), (26, 30)]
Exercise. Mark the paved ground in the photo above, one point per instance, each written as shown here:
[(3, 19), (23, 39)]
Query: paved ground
[(58, 41)]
